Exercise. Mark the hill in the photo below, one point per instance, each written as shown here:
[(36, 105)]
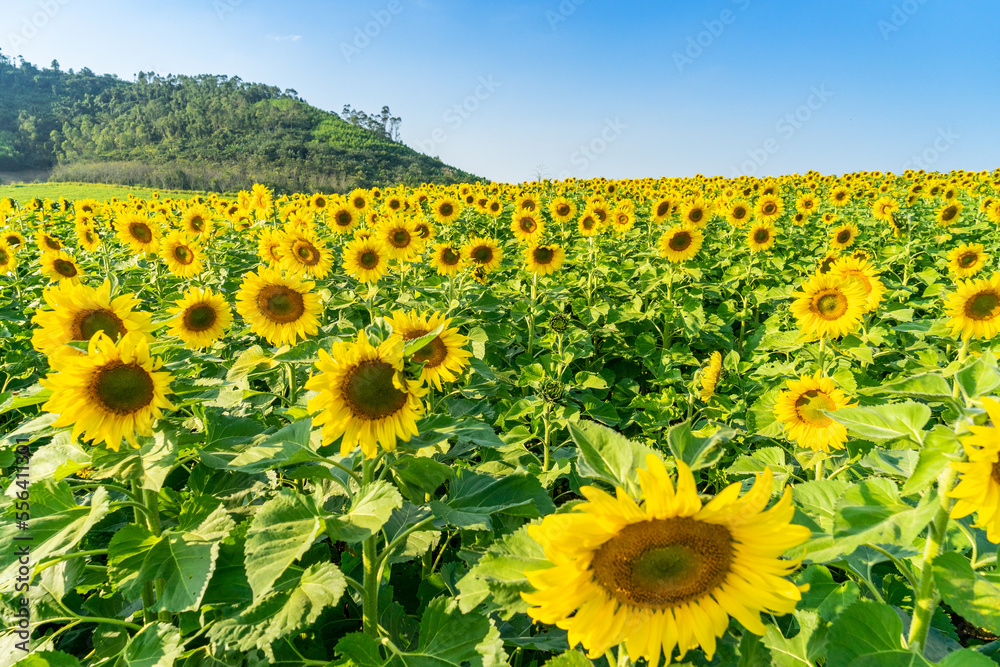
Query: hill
[(205, 132)]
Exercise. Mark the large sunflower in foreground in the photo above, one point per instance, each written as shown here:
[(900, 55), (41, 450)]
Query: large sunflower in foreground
[(445, 357), (667, 573), (200, 318), (115, 391), (280, 308), (365, 259), (974, 308), (364, 397), (77, 312), (828, 307), (978, 488), (801, 409), (62, 267), (681, 242), (544, 259), (967, 259)]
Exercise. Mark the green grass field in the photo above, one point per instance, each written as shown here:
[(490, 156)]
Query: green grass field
[(22, 192)]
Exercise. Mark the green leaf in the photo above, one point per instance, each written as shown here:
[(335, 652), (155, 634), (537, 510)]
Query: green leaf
[(864, 628), (360, 650), (33, 395), (570, 659), (895, 658), (59, 459), (285, 447), (979, 376), (826, 596), (607, 455), (56, 526), (695, 451), (48, 659), (285, 610), (966, 658), (156, 645), (246, 361), (928, 386), (500, 573), (803, 648), (127, 552), (281, 531), (941, 445), (885, 422), (969, 593), (413, 346), (369, 511), (473, 498), (419, 475), (150, 464), (449, 638)]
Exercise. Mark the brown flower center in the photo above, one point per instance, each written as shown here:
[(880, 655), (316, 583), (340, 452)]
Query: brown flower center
[(482, 254), (400, 238), (830, 304), (89, 322), (844, 236), (343, 219), (51, 242), (983, 305), (967, 259), (543, 255), (449, 257), (664, 562), (948, 214), (122, 388), (810, 406), (433, 353), (65, 268), (769, 208), (680, 241), (307, 253), (370, 393), (662, 209), (368, 259), (280, 304), (696, 214), (761, 235), (200, 317), (141, 232), (446, 209), (527, 224), (183, 255), (198, 223), (562, 210)]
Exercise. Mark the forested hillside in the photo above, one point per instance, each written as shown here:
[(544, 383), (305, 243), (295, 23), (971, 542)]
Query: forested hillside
[(205, 132)]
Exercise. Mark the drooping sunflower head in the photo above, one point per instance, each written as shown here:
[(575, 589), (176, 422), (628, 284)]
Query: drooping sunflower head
[(60, 266), (967, 260), (483, 252), (365, 259), (666, 572), (826, 263), (979, 478), (444, 357), (827, 307), (802, 409), (760, 236), (447, 259), (115, 391), (710, 376), (681, 243), (280, 308), (200, 318), (363, 396), (544, 259), (974, 308)]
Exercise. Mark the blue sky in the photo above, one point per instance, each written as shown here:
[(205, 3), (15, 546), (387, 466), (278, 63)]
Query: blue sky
[(586, 88)]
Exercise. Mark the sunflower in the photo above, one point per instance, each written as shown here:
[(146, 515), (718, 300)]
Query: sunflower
[(200, 318), (681, 243), (527, 202), (398, 236), (77, 313), (86, 235), (588, 225), (319, 202), (447, 259), (269, 247), (47, 242), (843, 236), (363, 396), (806, 204), (966, 260), (279, 308), (305, 255), (183, 257), (862, 273), (140, 232), (13, 238), (840, 196), (61, 266), (445, 357), (8, 260), (826, 263), (343, 218), (974, 308), (115, 391), (737, 212), (494, 207), (948, 214), (694, 212), (446, 210), (769, 208), (365, 259), (358, 200), (196, 221), (710, 376), (669, 572), (661, 209), (562, 209), (425, 231), (544, 259), (802, 410), (622, 219), (828, 307), (760, 236), (528, 227), (884, 207), (978, 488), (483, 252)]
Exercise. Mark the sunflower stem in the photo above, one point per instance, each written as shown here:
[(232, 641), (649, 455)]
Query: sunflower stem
[(820, 359), (926, 596), (369, 600), (293, 386), (152, 503), (531, 314), (820, 468), (955, 390), (546, 454)]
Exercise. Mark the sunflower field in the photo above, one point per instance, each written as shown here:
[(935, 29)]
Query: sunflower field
[(662, 421)]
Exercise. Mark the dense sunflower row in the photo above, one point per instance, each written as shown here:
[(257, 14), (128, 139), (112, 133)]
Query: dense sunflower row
[(682, 294)]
